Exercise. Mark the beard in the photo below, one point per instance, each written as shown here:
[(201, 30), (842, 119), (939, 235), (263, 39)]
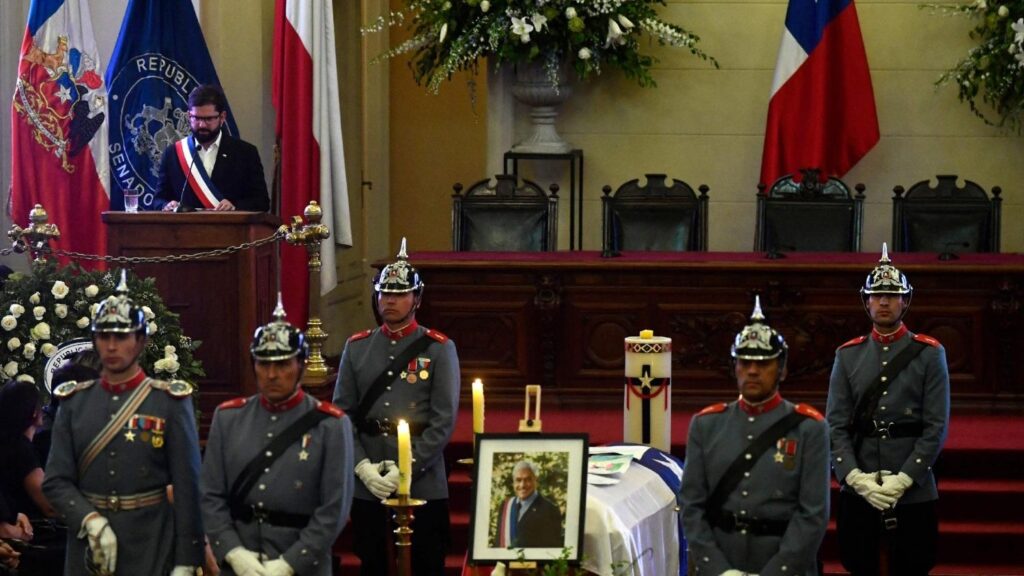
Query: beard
[(205, 136)]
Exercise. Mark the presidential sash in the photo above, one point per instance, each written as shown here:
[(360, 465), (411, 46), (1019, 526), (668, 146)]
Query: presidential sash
[(198, 180)]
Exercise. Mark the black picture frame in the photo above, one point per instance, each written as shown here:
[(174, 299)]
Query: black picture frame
[(560, 464)]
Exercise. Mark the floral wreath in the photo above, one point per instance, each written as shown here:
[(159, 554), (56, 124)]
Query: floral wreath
[(53, 304)]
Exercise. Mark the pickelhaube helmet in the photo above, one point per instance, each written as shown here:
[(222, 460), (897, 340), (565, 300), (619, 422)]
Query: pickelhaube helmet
[(399, 276), (119, 314), (278, 340), (758, 341), (886, 278)]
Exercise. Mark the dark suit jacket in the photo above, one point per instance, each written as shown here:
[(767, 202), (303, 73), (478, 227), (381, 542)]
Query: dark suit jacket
[(238, 174), (540, 526)]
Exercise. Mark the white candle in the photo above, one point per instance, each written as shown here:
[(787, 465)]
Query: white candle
[(404, 459), (478, 406)]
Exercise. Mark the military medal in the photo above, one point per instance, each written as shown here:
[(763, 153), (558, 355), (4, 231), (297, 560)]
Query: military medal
[(424, 374), (423, 364), (790, 458), (129, 436), (144, 436), (158, 439), (303, 455), (778, 450)]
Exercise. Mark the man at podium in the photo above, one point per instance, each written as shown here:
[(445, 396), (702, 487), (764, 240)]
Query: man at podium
[(223, 172)]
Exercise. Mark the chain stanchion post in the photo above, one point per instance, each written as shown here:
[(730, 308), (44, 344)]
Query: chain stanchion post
[(37, 236), (310, 234)]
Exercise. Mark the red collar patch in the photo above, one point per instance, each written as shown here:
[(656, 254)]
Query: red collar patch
[(126, 386), (889, 338), (401, 332), (283, 406), (762, 407)]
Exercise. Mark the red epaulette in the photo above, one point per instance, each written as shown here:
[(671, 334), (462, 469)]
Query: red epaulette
[(853, 342), (437, 336), (809, 411), (713, 409), (233, 403), (360, 335), (927, 340), (329, 408)]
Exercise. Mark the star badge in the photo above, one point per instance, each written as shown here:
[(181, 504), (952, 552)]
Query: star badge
[(778, 457), (303, 455), (129, 436)]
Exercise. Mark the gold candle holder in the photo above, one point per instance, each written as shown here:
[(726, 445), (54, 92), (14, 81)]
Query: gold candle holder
[(310, 234), (402, 509)]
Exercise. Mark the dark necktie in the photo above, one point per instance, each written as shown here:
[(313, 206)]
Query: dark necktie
[(514, 524)]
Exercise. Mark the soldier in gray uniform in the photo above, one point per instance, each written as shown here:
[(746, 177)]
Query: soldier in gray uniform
[(756, 479), (277, 473), (888, 409), (117, 445), (400, 370)]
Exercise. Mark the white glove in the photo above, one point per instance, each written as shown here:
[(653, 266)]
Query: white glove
[(393, 473), (369, 473), (183, 571), (896, 484), (869, 489), (732, 572), (245, 562), (102, 542), (278, 568)]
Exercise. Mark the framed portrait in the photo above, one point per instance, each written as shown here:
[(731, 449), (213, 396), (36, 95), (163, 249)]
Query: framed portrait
[(529, 497)]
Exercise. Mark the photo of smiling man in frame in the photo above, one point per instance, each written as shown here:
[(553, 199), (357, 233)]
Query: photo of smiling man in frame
[(528, 497)]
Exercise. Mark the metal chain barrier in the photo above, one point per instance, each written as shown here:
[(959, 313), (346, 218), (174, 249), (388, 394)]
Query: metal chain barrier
[(21, 246)]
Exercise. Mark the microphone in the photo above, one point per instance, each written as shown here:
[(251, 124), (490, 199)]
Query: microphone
[(181, 195), (948, 254)]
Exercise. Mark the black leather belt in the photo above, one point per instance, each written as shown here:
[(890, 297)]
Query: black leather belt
[(729, 522), (375, 427), (273, 517), (895, 430)]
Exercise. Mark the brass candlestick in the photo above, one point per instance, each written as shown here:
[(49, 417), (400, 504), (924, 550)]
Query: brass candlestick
[(402, 508), (310, 235), (37, 236)]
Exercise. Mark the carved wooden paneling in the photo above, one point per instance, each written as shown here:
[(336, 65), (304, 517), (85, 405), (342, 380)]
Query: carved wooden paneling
[(569, 316)]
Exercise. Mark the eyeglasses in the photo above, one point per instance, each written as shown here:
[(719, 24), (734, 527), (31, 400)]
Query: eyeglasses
[(204, 119)]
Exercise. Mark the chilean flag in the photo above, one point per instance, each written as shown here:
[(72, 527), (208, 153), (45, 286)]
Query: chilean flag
[(58, 126), (308, 129), (822, 109)]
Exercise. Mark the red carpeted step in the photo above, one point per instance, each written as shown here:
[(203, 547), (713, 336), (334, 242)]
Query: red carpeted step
[(836, 569)]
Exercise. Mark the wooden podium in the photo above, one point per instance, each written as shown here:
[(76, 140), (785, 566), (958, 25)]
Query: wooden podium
[(221, 299)]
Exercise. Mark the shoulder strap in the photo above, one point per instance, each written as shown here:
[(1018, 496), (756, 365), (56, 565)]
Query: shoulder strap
[(382, 380), (865, 410), (746, 459), (113, 426), (247, 479)]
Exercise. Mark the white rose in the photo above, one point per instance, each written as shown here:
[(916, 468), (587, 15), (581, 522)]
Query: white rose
[(152, 328), (169, 350), (485, 6), (91, 290), (59, 290), (1004, 11), (49, 350), (93, 308), (61, 310), (17, 310), (148, 313), (25, 378), (82, 322), (9, 323), (444, 32), (41, 331), (625, 22), (584, 54), (35, 299), (570, 13), (38, 312), (13, 344), (11, 368), (30, 351)]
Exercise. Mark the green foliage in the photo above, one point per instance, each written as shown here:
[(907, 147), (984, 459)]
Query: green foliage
[(452, 35), (53, 304), (990, 79)]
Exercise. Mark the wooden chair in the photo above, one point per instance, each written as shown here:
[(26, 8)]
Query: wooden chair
[(504, 217), (655, 216), (809, 215), (946, 218)]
